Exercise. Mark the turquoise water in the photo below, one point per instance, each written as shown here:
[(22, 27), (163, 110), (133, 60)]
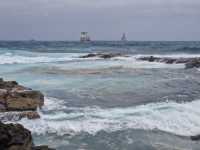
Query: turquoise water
[(121, 103)]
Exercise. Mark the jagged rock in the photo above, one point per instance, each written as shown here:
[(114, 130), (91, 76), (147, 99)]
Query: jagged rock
[(3, 95), (102, 55), (16, 97), (189, 62), (16, 137), (24, 100), (181, 61), (195, 138), (169, 61), (2, 108), (194, 63), (88, 56), (150, 59)]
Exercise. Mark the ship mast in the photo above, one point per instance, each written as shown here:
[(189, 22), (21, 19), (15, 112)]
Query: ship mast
[(124, 37)]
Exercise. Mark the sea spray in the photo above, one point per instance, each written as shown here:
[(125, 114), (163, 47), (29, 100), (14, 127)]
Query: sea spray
[(178, 118)]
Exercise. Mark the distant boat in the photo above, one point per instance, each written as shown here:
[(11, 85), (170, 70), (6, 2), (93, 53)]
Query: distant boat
[(124, 37), (85, 37)]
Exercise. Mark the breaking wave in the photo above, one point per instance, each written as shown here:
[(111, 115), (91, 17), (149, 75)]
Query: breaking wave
[(125, 62), (30, 58), (10, 58), (177, 118)]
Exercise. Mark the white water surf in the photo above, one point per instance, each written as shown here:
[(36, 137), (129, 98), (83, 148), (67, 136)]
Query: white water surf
[(177, 118)]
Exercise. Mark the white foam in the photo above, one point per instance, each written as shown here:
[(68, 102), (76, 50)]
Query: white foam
[(53, 104), (129, 61), (132, 63), (180, 119), (10, 58)]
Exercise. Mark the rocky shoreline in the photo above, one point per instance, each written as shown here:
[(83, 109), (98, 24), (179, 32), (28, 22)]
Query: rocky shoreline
[(15, 97), (189, 62), (16, 137), (17, 102), (102, 55)]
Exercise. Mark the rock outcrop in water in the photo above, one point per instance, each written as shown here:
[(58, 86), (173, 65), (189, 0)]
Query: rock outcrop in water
[(194, 63), (102, 55), (14, 97), (195, 138), (16, 137), (189, 62)]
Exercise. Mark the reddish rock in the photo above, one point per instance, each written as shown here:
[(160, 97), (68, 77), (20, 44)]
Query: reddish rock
[(15, 97), (24, 100)]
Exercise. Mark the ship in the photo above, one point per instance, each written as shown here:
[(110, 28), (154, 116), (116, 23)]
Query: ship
[(85, 37), (124, 37)]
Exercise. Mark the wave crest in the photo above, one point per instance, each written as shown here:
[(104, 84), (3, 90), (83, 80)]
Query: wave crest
[(178, 118)]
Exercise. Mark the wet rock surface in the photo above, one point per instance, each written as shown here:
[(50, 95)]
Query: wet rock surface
[(16, 137), (189, 62), (195, 138), (102, 55), (14, 97), (42, 148), (16, 116)]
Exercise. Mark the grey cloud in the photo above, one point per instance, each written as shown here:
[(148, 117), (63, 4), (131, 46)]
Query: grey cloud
[(104, 19)]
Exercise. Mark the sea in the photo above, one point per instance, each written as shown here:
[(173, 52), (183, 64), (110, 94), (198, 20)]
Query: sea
[(120, 103)]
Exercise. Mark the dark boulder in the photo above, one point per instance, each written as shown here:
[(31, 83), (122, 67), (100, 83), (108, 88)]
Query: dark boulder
[(88, 56), (150, 59), (195, 138), (16, 137), (189, 62), (169, 60), (102, 55)]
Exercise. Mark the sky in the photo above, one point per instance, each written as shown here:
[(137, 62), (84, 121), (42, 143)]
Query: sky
[(150, 20)]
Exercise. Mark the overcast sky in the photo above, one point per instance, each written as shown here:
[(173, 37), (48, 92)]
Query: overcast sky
[(103, 19)]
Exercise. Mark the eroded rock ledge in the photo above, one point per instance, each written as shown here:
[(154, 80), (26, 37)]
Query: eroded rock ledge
[(16, 137), (102, 55), (15, 97), (189, 62)]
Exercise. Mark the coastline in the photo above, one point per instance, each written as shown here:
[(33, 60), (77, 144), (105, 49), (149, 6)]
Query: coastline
[(24, 102), (104, 96)]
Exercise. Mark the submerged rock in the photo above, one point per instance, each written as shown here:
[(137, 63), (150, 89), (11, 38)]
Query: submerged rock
[(16, 137)]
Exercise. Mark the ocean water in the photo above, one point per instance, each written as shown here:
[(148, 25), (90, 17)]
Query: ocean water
[(115, 104)]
